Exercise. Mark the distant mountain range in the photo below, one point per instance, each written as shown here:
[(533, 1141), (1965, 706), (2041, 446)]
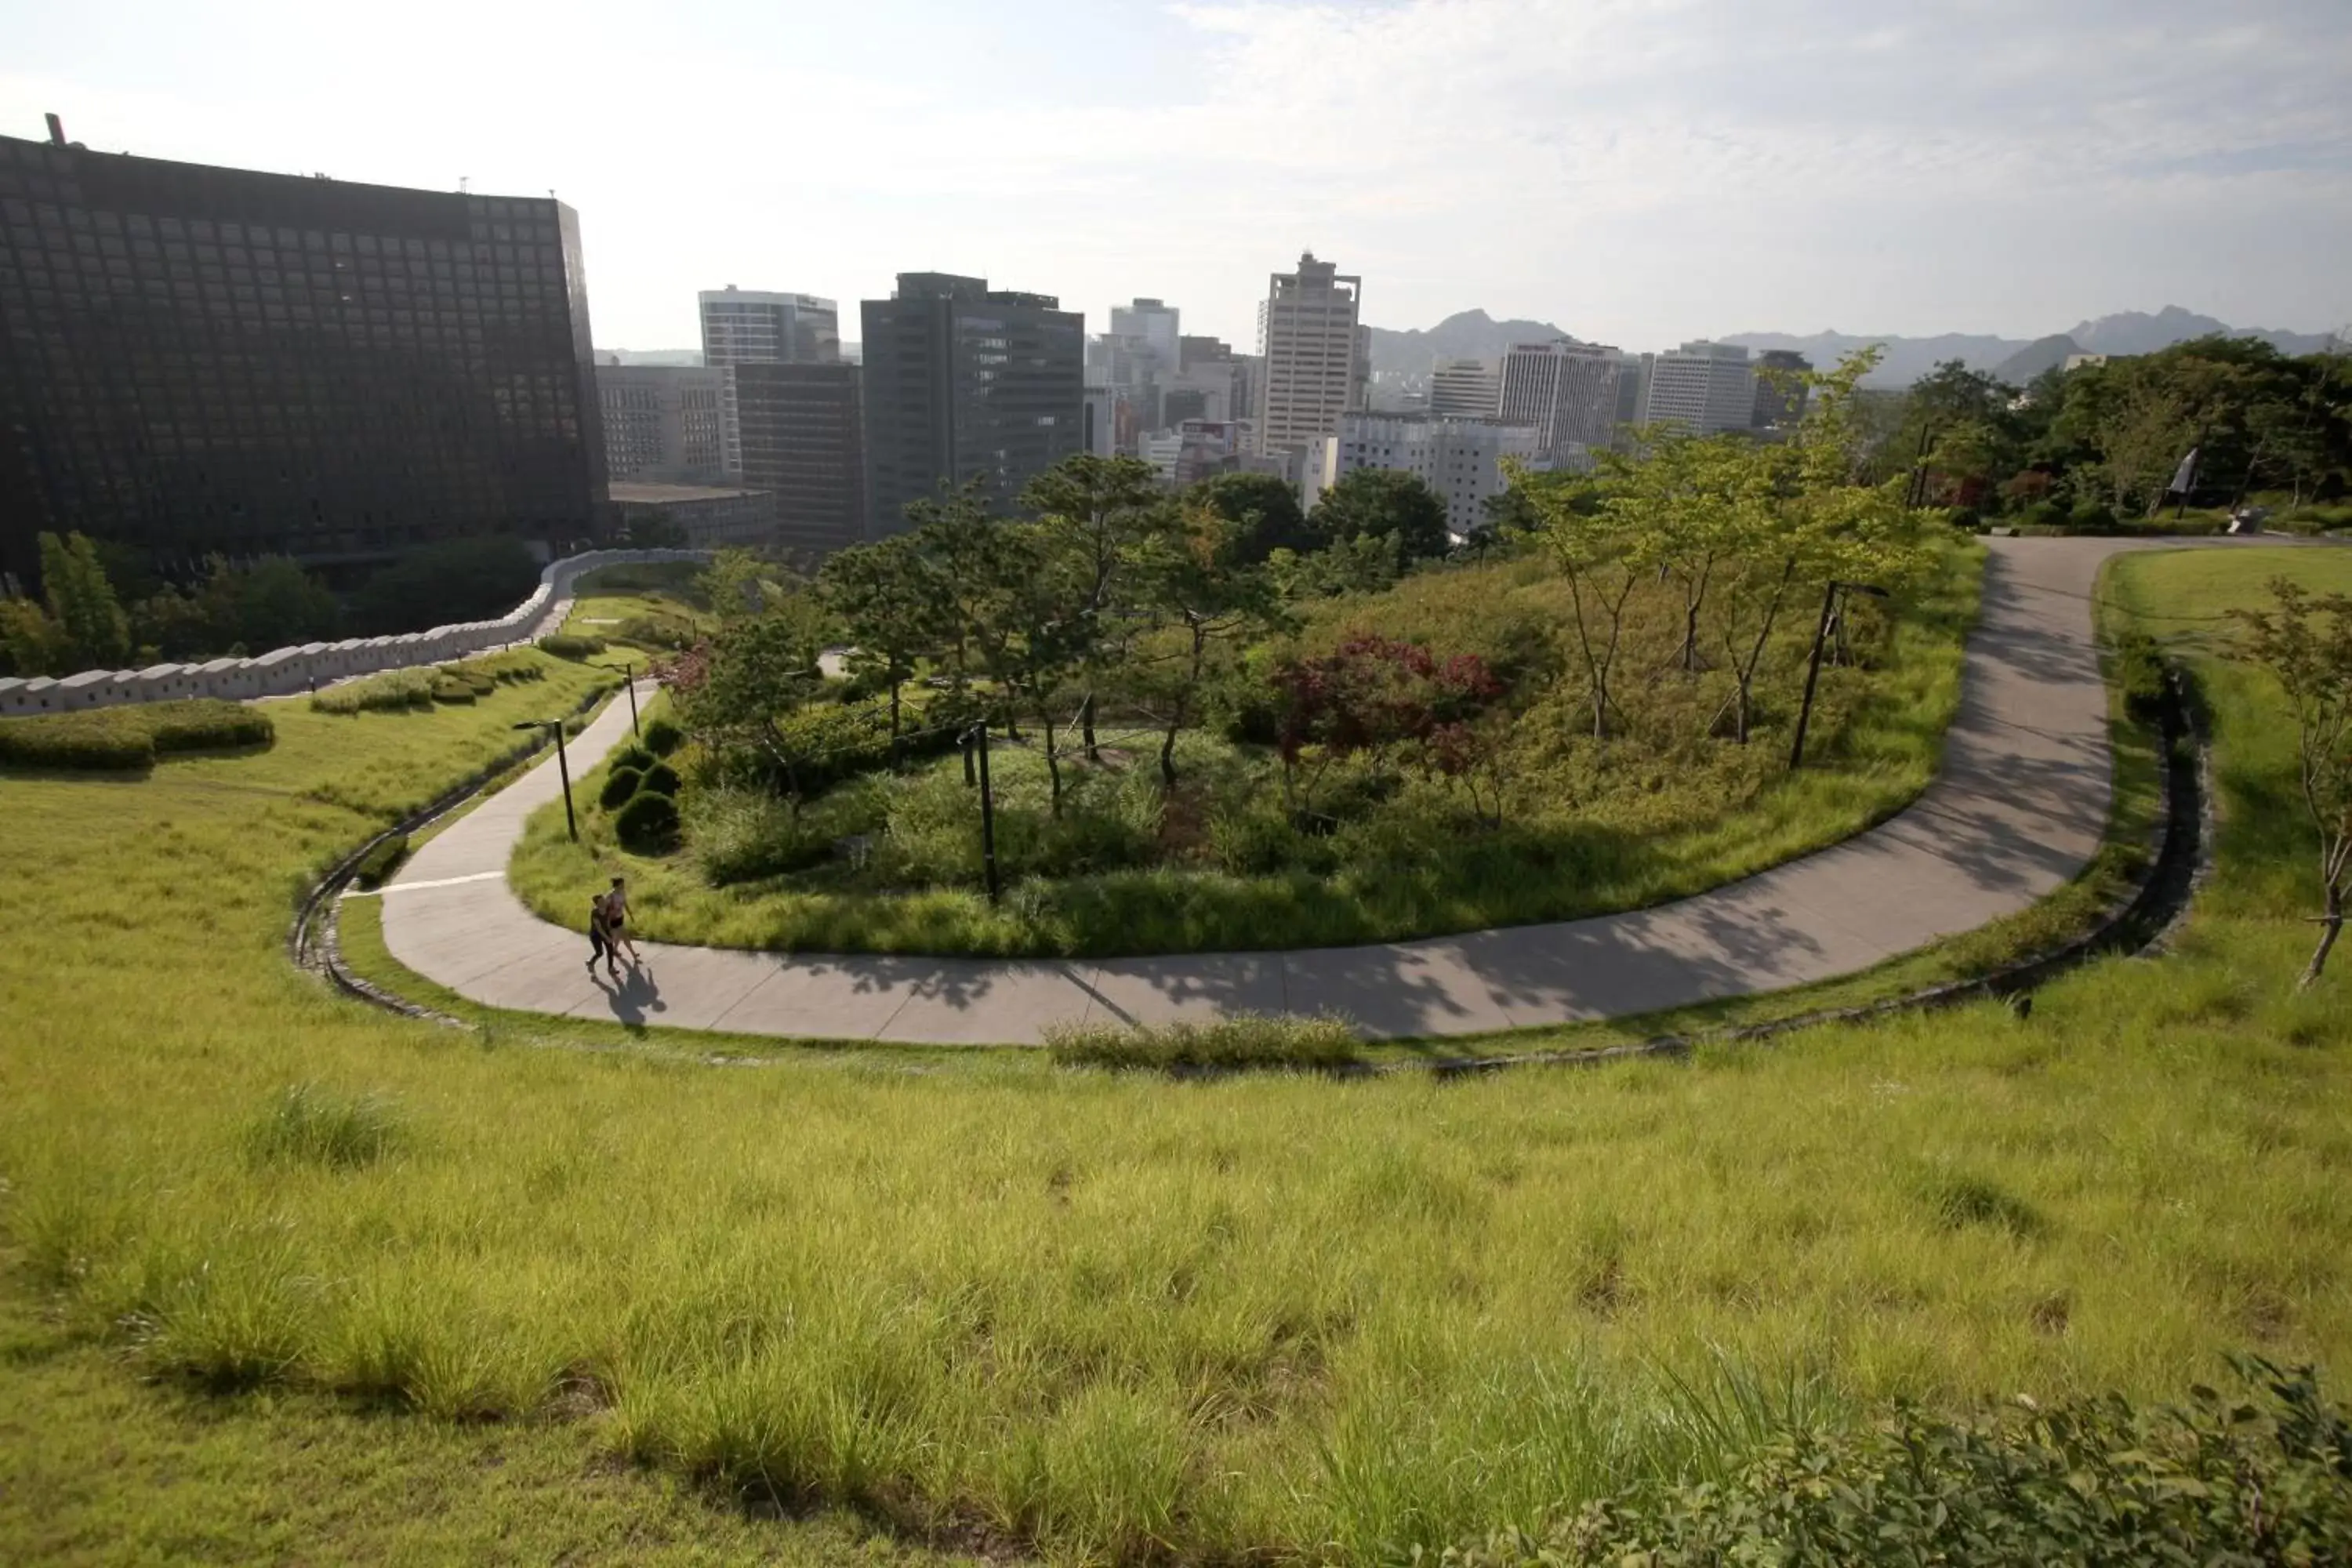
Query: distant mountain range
[(1473, 334), (1465, 334)]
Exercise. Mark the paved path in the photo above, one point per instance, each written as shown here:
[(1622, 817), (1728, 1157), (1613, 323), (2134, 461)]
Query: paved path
[(2018, 807)]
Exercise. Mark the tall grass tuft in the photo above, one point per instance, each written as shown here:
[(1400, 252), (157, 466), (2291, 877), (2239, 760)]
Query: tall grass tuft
[(305, 1124), (1240, 1041)]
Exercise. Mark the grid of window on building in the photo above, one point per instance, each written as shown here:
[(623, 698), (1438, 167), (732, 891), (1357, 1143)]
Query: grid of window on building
[(195, 359)]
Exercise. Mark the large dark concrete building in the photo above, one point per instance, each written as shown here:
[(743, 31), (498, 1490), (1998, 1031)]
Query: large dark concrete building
[(800, 429), (195, 359), (964, 382)]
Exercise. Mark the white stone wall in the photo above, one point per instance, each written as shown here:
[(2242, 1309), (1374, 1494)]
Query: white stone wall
[(284, 671)]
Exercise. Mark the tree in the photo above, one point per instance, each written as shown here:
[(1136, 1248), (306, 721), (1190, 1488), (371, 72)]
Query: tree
[(732, 690), (1370, 502), (1263, 510), (1200, 584), (1096, 516), (82, 601), (739, 585), (2306, 643), (889, 603), (1673, 501), (1372, 695), (1595, 547)]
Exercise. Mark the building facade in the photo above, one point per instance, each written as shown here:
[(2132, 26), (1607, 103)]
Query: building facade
[(1317, 361), (1780, 390), (801, 428), (962, 382), (668, 424), (697, 517), (1567, 391), (1465, 389), (1461, 459), (198, 359), (1705, 388), (750, 326)]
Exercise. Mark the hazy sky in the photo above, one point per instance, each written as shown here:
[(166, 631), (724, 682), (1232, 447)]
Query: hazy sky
[(1638, 171)]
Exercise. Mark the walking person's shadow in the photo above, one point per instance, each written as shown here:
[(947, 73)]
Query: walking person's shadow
[(632, 996)]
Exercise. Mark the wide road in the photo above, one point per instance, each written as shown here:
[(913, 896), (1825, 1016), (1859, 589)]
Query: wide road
[(2017, 809)]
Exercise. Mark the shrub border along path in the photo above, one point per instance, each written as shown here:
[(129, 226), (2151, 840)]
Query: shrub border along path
[(2017, 809)]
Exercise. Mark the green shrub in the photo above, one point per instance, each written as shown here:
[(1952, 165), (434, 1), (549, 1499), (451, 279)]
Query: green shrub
[(2140, 673), (571, 645), (661, 779), (745, 834), (450, 689), (636, 757), (619, 785), (662, 737), (2092, 517), (2265, 1479), (386, 692), (305, 1124), (380, 861), (647, 825), (668, 633), (1242, 1040), (127, 738), (205, 724)]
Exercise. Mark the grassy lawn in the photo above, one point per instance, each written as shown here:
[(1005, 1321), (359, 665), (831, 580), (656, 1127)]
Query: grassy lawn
[(1107, 1316), (1655, 814)]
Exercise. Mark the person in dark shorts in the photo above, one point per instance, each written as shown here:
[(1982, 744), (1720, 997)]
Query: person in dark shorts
[(600, 940), (616, 922)]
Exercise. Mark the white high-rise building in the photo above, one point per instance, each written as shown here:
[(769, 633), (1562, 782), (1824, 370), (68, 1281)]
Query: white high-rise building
[(748, 326), (1566, 390), (1461, 459), (1464, 389), (1707, 388), (1154, 321), (1314, 354)]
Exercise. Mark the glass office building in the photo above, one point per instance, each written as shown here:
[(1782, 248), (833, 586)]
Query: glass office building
[(965, 382), (195, 360)]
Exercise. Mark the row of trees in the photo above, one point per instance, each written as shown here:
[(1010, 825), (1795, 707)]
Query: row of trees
[(1742, 532), (2113, 434), (104, 606)]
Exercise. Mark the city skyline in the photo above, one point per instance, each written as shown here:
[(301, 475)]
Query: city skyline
[(2056, 167)]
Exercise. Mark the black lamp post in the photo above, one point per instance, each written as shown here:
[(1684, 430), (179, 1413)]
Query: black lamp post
[(1813, 670), (629, 680), (976, 737), (563, 768)]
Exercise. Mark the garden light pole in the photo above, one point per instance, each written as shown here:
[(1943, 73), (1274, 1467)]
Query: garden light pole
[(629, 680), (563, 768), (977, 736), (1814, 669)]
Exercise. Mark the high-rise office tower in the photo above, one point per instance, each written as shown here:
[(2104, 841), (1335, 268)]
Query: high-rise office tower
[(1312, 353), (667, 423), (1781, 391), (748, 326), (1154, 323), (1460, 459), (1465, 389), (965, 382), (1707, 388), (1566, 390), (196, 358), (802, 429)]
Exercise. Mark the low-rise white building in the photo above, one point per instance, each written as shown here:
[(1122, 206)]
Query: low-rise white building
[(1461, 459)]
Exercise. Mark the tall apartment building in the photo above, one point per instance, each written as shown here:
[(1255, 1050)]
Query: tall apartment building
[(667, 423), (1707, 388), (198, 359), (1566, 390), (802, 429), (964, 382), (1461, 459), (1781, 393), (1317, 361), (1465, 389), (749, 326)]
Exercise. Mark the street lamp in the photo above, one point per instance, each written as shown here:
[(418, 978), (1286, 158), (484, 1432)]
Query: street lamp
[(1813, 670), (629, 680), (563, 768)]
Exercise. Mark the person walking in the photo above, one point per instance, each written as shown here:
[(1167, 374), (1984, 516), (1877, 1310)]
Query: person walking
[(600, 939), (616, 922)]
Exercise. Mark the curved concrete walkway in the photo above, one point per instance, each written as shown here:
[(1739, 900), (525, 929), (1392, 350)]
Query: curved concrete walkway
[(2018, 807)]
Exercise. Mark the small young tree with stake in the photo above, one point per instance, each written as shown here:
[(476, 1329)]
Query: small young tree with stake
[(2305, 641)]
